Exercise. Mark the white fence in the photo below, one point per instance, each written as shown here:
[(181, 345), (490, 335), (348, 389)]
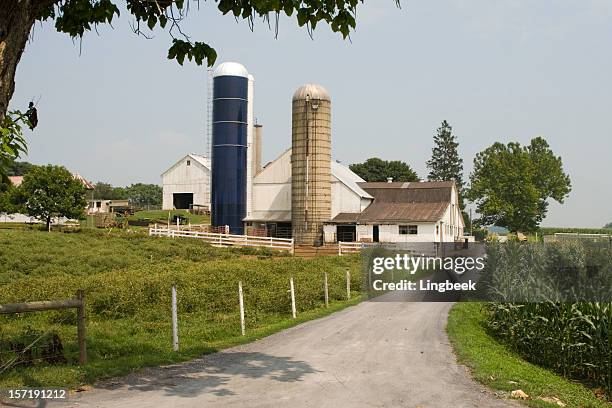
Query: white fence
[(349, 247), (282, 244)]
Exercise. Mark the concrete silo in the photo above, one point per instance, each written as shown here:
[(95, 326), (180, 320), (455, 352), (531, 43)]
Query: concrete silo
[(310, 164), (232, 108)]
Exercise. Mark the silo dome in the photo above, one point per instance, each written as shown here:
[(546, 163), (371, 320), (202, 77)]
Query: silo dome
[(313, 90), (231, 69)]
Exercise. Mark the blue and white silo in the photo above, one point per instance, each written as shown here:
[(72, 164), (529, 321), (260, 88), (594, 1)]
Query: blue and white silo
[(231, 130)]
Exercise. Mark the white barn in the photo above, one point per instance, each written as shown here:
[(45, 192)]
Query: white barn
[(271, 202), (186, 184)]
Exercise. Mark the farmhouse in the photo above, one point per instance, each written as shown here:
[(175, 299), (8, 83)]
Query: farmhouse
[(186, 184)]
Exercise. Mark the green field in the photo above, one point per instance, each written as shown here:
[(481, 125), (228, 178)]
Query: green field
[(127, 277), (499, 368), (161, 216)]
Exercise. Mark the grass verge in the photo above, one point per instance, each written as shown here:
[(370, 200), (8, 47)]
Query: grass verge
[(497, 367)]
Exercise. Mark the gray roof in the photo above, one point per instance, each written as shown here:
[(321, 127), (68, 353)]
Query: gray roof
[(402, 202)]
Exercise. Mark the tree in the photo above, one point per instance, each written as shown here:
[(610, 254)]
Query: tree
[(6, 198), (142, 195), (445, 163), (511, 184), (375, 169), (76, 17), (106, 191), (51, 191), (19, 168), (608, 225)]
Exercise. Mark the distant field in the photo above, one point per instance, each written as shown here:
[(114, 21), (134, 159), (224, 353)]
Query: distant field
[(127, 278), (553, 230), (161, 216)]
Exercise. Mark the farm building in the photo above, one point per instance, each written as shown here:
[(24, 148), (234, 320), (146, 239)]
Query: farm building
[(402, 212), (303, 194), (360, 211), (272, 192), (186, 184), (98, 206)]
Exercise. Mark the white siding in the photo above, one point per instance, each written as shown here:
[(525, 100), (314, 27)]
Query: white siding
[(182, 178), (344, 199), (390, 233)]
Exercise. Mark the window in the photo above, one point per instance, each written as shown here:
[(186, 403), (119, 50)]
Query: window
[(189, 162), (408, 230)]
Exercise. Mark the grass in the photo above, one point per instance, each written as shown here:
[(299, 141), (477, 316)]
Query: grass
[(494, 365), (161, 216), (127, 278)]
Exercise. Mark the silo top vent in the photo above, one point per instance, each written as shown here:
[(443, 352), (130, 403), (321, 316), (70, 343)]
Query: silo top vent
[(313, 90), (231, 69)]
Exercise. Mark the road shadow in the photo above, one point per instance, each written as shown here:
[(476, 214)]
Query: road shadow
[(213, 374)]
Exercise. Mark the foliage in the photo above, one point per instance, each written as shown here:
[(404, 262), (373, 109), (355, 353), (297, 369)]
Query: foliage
[(608, 225), (375, 169), (445, 163), (7, 194), (511, 184), (574, 339), (51, 191), (127, 279), (19, 168), (106, 191), (559, 316), (496, 366), (12, 142), (141, 195), (75, 17)]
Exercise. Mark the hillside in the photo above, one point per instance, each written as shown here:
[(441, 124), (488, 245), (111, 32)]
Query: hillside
[(127, 279)]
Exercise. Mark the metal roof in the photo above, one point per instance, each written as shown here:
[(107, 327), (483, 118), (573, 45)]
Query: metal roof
[(202, 160), (385, 212), (231, 69), (402, 202), (413, 192), (314, 91)]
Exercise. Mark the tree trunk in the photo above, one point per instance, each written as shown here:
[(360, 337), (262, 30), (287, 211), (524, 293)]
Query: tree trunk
[(16, 20)]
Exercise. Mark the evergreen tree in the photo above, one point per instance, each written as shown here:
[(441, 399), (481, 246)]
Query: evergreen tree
[(445, 163)]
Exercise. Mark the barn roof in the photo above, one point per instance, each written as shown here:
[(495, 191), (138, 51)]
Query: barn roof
[(402, 202), (202, 160)]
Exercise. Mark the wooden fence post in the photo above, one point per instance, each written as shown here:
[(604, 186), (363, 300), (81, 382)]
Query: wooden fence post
[(241, 301), (81, 320), (293, 312), (175, 339), (348, 285), (326, 291)]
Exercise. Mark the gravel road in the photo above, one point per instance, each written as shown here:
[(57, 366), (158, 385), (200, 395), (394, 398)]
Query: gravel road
[(375, 354)]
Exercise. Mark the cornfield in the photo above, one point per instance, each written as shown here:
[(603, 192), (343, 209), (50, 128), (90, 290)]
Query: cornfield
[(571, 338)]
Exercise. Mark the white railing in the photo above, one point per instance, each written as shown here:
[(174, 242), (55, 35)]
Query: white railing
[(349, 247), (282, 244)]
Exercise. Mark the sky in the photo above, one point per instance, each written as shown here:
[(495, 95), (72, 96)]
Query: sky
[(114, 109)]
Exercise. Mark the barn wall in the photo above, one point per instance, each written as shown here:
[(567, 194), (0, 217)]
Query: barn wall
[(390, 233), (194, 179), (344, 199), (272, 197)]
